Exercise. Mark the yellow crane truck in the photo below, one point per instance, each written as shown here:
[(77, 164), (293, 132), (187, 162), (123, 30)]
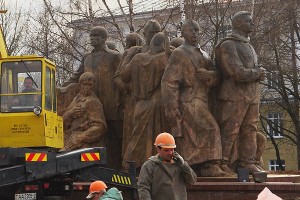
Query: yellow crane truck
[(32, 132)]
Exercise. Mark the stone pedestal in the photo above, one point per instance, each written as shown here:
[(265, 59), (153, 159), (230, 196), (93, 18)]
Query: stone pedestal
[(284, 186)]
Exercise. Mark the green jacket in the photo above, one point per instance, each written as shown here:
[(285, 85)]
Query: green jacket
[(112, 194), (161, 181)]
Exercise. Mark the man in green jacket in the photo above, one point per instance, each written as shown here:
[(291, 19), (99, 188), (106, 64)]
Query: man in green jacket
[(165, 175)]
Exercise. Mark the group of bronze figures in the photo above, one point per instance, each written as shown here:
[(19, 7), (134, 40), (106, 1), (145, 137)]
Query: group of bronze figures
[(124, 101)]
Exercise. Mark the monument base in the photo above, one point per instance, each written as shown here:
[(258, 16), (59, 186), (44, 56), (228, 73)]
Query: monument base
[(227, 188)]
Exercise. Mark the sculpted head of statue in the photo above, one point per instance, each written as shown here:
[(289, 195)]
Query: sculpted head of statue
[(111, 45), (98, 36), (151, 28), (157, 43), (133, 39), (176, 42), (87, 82), (190, 31), (242, 22)]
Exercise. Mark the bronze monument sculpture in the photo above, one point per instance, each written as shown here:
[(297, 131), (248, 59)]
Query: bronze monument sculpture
[(126, 99), (144, 72), (176, 42), (103, 62), (185, 85), (84, 122), (239, 94), (162, 92), (152, 27)]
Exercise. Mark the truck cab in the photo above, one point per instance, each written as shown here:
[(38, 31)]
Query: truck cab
[(28, 117)]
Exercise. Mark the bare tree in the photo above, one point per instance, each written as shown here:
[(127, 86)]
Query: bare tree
[(68, 26), (14, 24), (278, 43)]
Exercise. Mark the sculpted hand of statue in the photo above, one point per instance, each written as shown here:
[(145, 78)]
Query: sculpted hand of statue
[(73, 143), (178, 159), (76, 112), (122, 86), (262, 74), (209, 77), (173, 115)]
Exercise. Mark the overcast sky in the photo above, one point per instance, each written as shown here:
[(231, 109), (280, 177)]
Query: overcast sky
[(138, 5), (37, 3)]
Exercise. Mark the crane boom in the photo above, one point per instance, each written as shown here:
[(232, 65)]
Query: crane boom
[(3, 50)]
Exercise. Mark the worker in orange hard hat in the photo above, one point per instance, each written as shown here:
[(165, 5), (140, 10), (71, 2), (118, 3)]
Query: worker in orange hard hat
[(98, 192), (165, 144), (97, 189), (165, 175)]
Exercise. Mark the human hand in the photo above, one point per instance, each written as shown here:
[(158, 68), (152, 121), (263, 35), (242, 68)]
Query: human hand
[(178, 159)]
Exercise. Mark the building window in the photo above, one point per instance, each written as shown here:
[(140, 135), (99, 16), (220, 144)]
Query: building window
[(274, 165), (275, 125), (272, 78)]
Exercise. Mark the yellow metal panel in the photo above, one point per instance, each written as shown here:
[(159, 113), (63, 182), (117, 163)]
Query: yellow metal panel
[(21, 130), (53, 129), (26, 130)]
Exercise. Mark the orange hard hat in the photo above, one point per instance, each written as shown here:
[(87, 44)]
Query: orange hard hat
[(165, 140), (97, 186)]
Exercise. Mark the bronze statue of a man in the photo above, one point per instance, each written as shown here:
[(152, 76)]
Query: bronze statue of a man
[(133, 39), (185, 86), (126, 101), (176, 42), (84, 122), (239, 93), (151, 28), (144, 72), (103, 63)]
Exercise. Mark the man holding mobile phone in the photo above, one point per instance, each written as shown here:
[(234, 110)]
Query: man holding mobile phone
[(165, 175)]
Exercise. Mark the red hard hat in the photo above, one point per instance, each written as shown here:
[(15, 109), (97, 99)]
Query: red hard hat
[(165, 140)]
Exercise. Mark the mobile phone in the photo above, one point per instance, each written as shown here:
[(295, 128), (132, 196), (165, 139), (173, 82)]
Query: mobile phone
[(174, 155)]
